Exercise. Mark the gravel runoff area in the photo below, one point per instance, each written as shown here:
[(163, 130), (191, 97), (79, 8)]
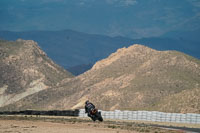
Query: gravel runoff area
[(60, 124)]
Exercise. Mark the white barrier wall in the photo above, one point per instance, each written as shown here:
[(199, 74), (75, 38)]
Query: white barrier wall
[(148, 116)]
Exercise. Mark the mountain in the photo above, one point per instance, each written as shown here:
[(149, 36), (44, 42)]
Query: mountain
[(72, 49), (133, 78), (25, 69), (130, 18)]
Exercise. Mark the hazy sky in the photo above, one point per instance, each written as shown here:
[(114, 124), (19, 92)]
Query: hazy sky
[(131, 18)]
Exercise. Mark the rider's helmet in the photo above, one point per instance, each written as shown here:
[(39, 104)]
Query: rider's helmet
[(86, 102)]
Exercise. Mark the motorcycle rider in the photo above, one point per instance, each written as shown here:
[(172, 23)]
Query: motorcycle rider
[(88, 108)]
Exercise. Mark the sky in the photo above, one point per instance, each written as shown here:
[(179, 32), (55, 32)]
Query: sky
[(129, 18)]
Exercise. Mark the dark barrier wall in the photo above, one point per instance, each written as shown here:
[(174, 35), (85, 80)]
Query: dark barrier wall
[(49, 112)]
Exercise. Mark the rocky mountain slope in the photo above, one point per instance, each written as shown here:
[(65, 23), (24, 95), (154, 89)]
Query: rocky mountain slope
[(133, 78), (24, 70)]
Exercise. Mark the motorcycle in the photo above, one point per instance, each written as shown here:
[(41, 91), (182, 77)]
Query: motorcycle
[(96, 115)]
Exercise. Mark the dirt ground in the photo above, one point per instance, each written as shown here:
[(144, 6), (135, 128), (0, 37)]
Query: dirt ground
[(15, 126)]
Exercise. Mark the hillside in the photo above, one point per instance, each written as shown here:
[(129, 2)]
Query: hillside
[(25, 69), (133, 78), (185, 101), (138, 78), (81, 48)]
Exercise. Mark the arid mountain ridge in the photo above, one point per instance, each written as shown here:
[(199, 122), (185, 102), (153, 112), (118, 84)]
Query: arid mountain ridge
[(81, 49), (133, 78), (25, 69)]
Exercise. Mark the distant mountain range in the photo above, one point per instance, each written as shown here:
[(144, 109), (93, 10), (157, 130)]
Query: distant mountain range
[(184, 35), (129, 18), (72, 49), (133, 78)]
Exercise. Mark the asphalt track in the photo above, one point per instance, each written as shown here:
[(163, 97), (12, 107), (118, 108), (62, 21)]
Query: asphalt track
[(186, 129)]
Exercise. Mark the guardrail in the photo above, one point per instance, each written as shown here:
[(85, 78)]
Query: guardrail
[(48, 112), (148, 116)]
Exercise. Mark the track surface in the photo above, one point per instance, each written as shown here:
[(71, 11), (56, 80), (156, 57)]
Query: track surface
[(46, 124), (185, 129), (14, 126)]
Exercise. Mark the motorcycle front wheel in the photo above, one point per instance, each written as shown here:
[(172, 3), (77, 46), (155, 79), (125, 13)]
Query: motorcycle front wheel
[(99, 117)]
